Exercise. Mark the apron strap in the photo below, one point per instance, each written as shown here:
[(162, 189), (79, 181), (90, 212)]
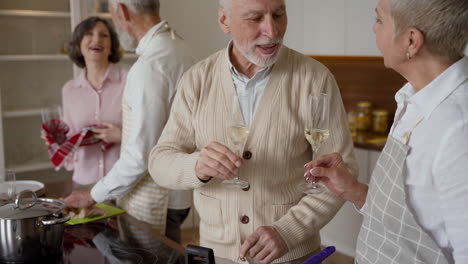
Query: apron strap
[(173, 32), (407, 135)]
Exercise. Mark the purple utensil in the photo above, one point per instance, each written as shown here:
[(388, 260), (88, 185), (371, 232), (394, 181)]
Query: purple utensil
[(321, 256)]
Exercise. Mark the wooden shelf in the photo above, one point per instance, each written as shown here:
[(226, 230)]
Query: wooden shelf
[(22, 113), (34, 13), (49, 57), (34, 57), (31, 167), (103, 15)]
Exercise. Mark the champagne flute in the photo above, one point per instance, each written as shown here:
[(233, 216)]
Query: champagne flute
[(316, 132), (8, 186), (238, 131)]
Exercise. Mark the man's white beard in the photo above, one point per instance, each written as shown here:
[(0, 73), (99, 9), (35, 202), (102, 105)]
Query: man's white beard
[(127, 41), (261, 61)]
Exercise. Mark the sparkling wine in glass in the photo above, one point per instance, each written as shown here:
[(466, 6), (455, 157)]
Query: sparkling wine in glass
[(238, 131), (316, 132)]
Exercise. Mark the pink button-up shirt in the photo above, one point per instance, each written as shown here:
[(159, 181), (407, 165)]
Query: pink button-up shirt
[(84, 105)]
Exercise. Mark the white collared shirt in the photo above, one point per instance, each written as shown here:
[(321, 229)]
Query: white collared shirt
[(249, 90), (437, 165), (150, 89)]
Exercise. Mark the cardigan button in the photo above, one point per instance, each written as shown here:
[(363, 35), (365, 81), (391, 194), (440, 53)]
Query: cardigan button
[(247, 155), (245, 219)]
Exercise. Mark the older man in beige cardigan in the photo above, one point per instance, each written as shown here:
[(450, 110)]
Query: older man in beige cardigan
[(272, 221)]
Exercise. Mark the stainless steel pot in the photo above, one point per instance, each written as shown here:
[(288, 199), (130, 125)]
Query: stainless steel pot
[(31, 228)]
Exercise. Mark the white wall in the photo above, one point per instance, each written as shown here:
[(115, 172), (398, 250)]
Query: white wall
[(332, 27), (196, 21)]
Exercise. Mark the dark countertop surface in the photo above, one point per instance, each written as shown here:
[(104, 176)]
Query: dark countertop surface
[(121, 239)]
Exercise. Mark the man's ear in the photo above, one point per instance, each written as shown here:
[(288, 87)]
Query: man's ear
[(223, 20), (415, 40), (123, 12)]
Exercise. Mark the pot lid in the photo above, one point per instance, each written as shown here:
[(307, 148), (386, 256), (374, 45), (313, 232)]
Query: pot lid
[(30, 208)]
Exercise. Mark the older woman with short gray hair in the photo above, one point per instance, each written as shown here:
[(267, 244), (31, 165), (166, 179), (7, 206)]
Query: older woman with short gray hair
[(415, 205)]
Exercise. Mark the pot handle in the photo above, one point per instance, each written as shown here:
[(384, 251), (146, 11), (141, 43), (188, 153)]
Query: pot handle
[(64, 218), (19, 199)]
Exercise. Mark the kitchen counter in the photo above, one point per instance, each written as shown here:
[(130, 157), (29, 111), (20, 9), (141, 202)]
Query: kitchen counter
[(121, 239)]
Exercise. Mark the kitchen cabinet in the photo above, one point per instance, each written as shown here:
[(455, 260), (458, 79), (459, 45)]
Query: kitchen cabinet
[(34, 68), (342, 231)]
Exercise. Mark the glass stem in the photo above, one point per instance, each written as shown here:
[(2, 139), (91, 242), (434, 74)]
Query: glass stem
[(314, 156), (239, 152)]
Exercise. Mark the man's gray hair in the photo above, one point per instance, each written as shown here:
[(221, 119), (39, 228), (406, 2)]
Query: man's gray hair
[(444, 23), (226, 4), (140, 7)]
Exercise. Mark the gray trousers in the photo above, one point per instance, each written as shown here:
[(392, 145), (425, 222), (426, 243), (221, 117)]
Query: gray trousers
[(175, 218)]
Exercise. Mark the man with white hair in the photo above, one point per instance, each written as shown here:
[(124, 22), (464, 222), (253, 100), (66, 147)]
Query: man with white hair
[(151, 86), (271, 219)]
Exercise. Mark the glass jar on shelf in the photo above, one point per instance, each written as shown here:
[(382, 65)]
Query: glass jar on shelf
[(363, 118), (380, 121), (352, 116)]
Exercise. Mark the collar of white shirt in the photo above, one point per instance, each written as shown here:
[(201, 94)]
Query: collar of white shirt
[(261, 74), (428, 98), (145, 40)]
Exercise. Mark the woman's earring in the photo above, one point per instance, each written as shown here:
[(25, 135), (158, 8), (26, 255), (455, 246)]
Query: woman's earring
[(408, 55)]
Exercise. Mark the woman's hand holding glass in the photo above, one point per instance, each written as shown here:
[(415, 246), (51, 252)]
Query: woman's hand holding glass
[(333, 173)]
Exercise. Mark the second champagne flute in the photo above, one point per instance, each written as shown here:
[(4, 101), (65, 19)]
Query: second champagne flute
[(238, 130), (316, 132)]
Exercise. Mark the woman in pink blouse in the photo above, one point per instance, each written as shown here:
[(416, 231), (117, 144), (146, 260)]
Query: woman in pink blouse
[(94, 97)]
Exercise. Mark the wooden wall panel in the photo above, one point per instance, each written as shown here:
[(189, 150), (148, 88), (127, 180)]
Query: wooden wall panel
[(364, 78)]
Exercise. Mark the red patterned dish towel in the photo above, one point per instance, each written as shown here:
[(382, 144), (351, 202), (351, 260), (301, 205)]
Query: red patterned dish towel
[(61, 148)]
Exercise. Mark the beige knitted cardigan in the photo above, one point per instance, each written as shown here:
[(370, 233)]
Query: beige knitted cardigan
[(279, 149)]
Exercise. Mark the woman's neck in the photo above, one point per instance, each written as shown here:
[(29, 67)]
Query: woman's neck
[(423, 70), (95, 73)]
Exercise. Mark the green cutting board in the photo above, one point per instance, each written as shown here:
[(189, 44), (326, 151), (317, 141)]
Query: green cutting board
[(111, 211)]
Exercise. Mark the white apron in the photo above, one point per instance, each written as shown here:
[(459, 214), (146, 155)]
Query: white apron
[(147, 201), (390, 233)]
